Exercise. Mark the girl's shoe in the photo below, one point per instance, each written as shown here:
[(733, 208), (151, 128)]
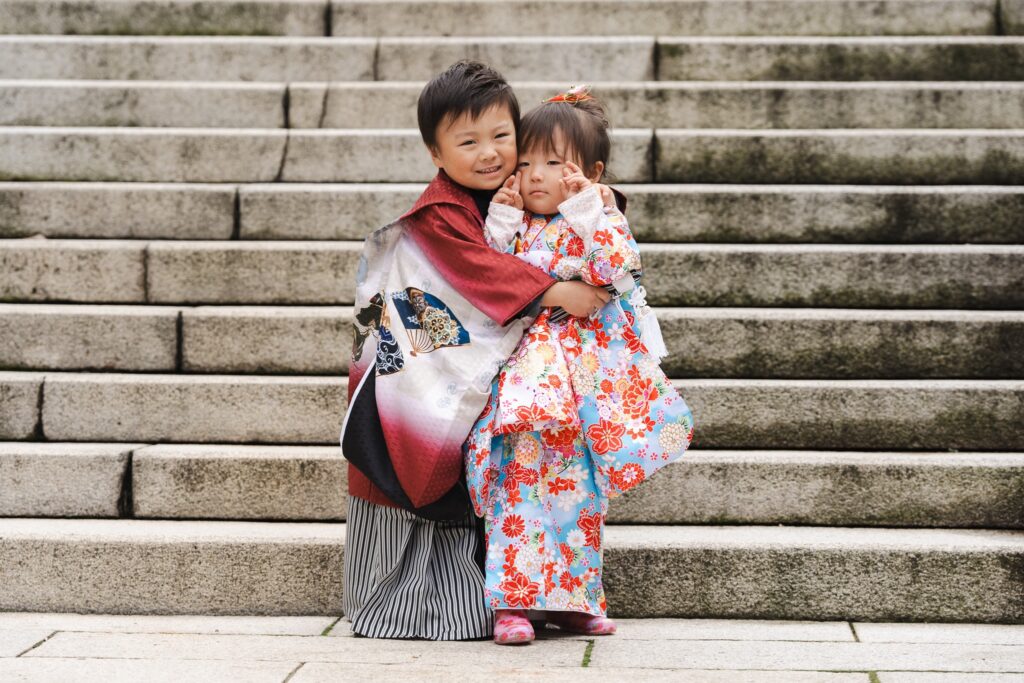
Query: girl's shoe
[(511, 627), (581, 622)]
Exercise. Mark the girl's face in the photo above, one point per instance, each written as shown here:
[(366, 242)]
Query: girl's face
[(540, 184)]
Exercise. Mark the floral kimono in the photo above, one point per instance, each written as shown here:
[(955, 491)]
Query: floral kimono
[(580, 413)]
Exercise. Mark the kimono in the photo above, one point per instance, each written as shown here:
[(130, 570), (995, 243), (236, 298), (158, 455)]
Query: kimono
[(436, 313), (580, 413)]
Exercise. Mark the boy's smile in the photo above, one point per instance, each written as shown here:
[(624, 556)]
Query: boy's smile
[(477, 153)]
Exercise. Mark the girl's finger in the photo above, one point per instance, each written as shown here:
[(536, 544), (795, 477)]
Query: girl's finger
[(573, 167), (509, 182), (515, 181)]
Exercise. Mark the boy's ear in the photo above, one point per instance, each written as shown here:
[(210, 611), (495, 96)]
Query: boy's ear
[(595, 177), (435, 156)]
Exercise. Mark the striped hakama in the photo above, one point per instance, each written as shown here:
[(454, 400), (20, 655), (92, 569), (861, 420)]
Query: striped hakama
[(410, 577)]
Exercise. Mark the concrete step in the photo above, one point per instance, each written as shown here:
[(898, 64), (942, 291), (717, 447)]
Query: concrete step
[(309, 483), (667, 104), (218, 17), (729, 413), (250, 154), (408, 18), (209, 58), (815, 58), (565, 58), (741, 343), (859, 156), (695, 212), (940, 156), (710, 571), (289, 272)]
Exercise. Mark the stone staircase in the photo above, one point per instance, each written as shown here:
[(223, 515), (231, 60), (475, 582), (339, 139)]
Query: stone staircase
[(829, 199)]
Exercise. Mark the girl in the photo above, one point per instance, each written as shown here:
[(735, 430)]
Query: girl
[(581, 411)]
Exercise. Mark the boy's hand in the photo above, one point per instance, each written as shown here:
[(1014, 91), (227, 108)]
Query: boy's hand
[(573, 181), (607, 196), (508, 194), (579, 299)]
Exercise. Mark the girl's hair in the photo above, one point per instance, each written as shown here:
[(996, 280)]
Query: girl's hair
[(582, 123)]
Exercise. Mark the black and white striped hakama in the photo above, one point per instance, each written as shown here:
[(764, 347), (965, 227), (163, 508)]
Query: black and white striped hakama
[(410, 577)]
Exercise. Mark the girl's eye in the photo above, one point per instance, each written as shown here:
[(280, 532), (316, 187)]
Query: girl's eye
[(523, 164), (555, 162)]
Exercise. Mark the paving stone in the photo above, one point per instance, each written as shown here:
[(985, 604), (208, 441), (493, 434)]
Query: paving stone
[(729, 629), (112, 210), (555, 653), (982, 634), (172, 623), (60, 670), (76, 337), (62, 479), (930, 677), (808, 656), (13, 643)]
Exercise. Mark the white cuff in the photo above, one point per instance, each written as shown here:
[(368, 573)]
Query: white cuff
[(584, 212), (502, 224)]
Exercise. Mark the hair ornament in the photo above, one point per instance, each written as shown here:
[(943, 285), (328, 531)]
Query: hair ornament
[(577, 93)]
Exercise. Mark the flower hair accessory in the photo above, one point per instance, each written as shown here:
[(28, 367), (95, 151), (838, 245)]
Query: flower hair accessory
[(577, 93)]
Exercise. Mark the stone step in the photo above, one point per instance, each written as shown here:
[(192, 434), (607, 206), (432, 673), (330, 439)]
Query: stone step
[(667, 104), (657, 213), (226, 17), (742, 343), (250, 154), (940, 156), (729, 413), (289, 272), (565, 58), (309, 483), (859, 156), (408, 18), (206, 567)]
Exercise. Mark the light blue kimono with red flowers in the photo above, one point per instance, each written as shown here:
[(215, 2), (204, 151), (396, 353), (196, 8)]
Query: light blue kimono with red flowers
[(580, 413)]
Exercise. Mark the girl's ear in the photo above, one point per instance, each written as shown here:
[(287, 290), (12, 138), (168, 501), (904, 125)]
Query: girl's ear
[(598, 170)]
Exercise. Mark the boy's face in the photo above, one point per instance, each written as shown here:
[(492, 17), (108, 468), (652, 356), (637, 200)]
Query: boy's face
[(477, 153)]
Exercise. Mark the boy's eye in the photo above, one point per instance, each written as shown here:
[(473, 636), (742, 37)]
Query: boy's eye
[(503, 135), (467, 142)]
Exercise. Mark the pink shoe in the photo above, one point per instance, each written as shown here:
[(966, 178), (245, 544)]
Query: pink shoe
[(581, 622), (511, 627)]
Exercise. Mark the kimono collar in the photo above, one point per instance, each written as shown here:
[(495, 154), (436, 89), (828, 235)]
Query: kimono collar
[(443, 190)]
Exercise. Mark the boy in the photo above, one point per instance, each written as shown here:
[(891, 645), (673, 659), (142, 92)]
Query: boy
[(437, 312)]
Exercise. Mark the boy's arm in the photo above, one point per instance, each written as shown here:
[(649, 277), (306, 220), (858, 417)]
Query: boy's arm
[(499, 284), (608, 249)]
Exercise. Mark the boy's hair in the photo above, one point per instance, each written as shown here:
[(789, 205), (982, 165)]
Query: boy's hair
[(466, 86), (583, 125)]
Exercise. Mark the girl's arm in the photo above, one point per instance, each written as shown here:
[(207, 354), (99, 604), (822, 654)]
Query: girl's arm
[(501, 225), (602, 241)]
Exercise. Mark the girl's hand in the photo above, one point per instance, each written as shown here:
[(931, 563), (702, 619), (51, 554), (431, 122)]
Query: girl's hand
[(607, 196), (508, 194), (579, 299), (573, 181)]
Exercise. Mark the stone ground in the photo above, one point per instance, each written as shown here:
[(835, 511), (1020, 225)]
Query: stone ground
[(75, 647)]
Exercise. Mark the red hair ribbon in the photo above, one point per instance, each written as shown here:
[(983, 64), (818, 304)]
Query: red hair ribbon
[(577, 93)]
